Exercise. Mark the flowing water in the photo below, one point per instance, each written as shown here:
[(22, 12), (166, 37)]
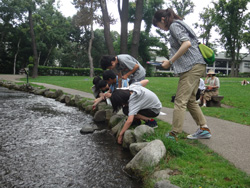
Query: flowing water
[(41, 146)]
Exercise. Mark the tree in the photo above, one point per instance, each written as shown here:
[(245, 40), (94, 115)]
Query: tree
[(106, 23), (123, 12), (86, 9), (9, 24), (137, 28), (231, 17), (206, 26), (52, 29), (150, 7), (146, 12), (183, 7), (30, 7)]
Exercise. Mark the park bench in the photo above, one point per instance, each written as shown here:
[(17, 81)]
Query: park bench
[(215, 101)]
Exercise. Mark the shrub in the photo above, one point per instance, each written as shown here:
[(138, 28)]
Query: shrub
[(64, 71)]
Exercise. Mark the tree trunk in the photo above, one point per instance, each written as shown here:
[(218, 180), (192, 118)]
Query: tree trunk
[(124, 26), (137, 28), (233, 63), (35, 67), (47, 58), (14, 67), (38, 59), (106, 23), (90, 45)]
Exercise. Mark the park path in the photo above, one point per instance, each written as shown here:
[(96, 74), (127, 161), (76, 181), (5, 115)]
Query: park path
[(230, 140)]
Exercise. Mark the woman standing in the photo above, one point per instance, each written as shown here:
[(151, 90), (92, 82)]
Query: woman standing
[(188, 62)]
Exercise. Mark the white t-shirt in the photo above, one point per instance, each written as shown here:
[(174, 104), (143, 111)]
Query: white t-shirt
[(142, 98), (202, 84)]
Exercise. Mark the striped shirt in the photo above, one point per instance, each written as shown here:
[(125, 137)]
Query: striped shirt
[(178, 35)]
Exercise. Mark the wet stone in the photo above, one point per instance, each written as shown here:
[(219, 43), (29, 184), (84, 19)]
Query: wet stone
[(89, 128)]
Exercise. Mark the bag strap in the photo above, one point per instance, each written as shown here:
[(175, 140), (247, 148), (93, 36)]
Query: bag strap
[(189, 32)]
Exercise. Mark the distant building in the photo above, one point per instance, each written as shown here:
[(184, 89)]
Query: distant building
[(222, 64)]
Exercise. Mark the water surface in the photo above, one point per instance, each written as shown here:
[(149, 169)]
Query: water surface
[(41, 146)]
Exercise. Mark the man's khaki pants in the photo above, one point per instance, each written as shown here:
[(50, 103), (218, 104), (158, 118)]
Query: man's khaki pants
[(186, 98)]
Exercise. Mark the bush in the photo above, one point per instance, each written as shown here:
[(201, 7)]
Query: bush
[(221, 75), (164, 74), (64, 71), (244, 74), (150, 70)]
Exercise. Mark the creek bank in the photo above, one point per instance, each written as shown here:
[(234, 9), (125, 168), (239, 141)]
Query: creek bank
[(146, 154)]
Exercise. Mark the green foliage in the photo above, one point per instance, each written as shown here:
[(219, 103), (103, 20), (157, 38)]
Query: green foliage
[(64, 71), (149, 8), (164, 74), (150, 70), (183, 7), (244, 74), (206, 26)]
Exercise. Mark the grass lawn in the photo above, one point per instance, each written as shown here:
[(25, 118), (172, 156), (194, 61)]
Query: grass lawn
[(193, 164), (235, 95)]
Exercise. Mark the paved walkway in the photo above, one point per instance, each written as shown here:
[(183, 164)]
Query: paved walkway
[(230, 140)]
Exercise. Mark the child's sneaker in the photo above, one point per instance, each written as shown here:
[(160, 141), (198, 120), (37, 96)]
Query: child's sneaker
[(201, 133), (151, 123)]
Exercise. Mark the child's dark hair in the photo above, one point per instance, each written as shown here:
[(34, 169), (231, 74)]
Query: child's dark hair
[(102, 84), (119, 98), (106, 61), (108, 74), (96, 81)]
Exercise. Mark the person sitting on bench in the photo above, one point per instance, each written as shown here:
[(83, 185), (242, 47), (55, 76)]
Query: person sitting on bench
[(212, 89)]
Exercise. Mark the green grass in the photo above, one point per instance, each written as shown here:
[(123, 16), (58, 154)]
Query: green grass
[(194, 164), (235, 95)]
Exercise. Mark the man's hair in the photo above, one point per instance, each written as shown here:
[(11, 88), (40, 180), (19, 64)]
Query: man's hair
[(108, 74), (119, 98), (102, 84), (106, 61), (96, 81)]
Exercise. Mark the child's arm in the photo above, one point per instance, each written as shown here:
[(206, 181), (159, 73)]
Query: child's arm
[(98, 100), (144, 82), (125, 76), (125, 127), (119, 80)]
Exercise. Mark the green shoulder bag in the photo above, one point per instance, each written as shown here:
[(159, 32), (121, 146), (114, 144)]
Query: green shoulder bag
[(206, 52)]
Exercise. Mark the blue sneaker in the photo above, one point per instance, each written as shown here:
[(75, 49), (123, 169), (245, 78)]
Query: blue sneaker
[(151, 123), (172, 136), (201, 133)]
